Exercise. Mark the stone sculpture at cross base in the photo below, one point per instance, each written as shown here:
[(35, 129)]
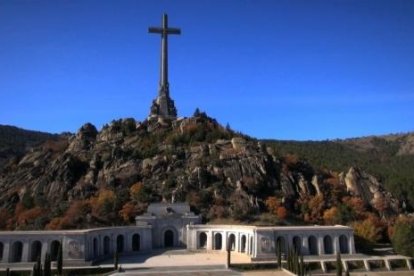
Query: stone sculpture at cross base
[(163, 106)]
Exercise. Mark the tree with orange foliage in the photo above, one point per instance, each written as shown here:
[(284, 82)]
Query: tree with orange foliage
[(382, 204), (369, 229), (357, 205), (331, 216), (4, 217), (74, 215), (104, 203), (128, 212), (281, 212), (28, 216), (139, 192), (316, 206), (272, 203)]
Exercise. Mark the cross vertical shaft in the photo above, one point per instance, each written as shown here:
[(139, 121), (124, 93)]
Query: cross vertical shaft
[(163, 105)]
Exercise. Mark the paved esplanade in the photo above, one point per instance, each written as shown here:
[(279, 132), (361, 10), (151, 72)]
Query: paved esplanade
[(163, 105)]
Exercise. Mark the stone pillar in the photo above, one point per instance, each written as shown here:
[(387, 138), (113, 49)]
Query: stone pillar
[(112, 242), (210, 237), (25, 252), (305, 246), (100, 248), (336, 248), (351, 244), (6, 252), (45, 249), (128, 241), (224, 241), (254, 245), (321, 247)]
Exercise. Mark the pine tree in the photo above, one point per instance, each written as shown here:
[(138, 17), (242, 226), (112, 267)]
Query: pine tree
[(229, 245), (339, 267), (60, 259), (279, 254), (39, 267), (116, 260), (47, 271)]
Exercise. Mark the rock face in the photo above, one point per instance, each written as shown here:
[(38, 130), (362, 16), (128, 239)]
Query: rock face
[(359, 183), (192, 159)]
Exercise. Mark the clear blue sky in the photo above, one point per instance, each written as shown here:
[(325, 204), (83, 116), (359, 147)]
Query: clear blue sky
[(271, 69)]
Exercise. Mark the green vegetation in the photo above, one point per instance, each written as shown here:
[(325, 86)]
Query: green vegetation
[(403, 238), (15, 141)]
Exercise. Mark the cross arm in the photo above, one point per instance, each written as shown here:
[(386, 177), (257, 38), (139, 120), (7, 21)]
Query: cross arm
[(173, 31), (155, 30), (161, 30)]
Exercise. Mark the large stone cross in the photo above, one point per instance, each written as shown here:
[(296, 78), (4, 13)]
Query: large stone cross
[(164, 31)]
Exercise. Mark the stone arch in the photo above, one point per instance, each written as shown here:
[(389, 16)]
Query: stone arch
[(328, 245), (243, 243), (54, 250), (120, 243), (107, 245), (232, 242), (136, 242), (16, 252), (95, 248), (281, 241), (343, 245), (297, 244), (202, 240), (169, 238), (1, 251), (218, 241), (313, 245), (35, 251)]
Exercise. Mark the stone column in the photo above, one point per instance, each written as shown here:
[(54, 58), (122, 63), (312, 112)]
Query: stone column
[(210, 237), (254, 245), (336, 244), (305, 246), (25, 252), (351, 244), (45, 249), (6, 252), (321, 246), (224, 241), (128, 241)]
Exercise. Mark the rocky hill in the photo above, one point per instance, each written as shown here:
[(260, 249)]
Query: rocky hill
[(389, 158), (16, 141), (106, 177)]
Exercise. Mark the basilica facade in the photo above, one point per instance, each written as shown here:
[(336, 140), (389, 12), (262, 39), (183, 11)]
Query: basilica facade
[(172, 225)]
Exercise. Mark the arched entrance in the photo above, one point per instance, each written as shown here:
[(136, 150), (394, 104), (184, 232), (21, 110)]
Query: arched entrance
[(343, 244), (281, 243), (16, 252), (202, 241), (327, 245), (1, 251), (54, 250), (313, 245), (243, 244), (218, 241), (35, 251), (106, 245), (169, 238), (232, 242), (136, 242), (120, 244)]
